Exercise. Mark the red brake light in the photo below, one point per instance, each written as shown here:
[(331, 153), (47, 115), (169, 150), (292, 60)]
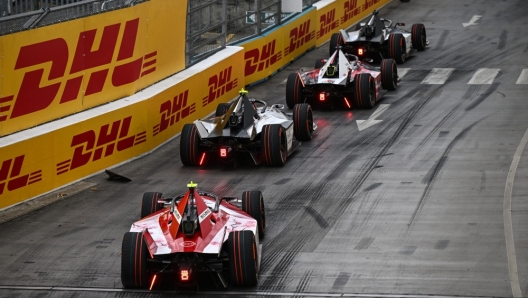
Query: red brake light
[(360, 51), (322, 96), (347, 103), (202, 159), (184, 275), (153, 280), (223, 152)]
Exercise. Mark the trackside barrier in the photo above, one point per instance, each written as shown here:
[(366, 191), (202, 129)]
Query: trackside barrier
[(41, 159), (273, 50), (54, 71)]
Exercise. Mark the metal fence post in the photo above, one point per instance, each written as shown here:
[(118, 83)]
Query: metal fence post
[(278, 19), (258, 16), (224, 24)]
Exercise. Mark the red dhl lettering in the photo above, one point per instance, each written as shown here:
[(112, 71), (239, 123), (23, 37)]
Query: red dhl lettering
[(260, 59), (351, 10), (173, 111), (10, 175), (299, 36), (219, 84), (369, 3), (328, 23), (36, 94), (92, 146)]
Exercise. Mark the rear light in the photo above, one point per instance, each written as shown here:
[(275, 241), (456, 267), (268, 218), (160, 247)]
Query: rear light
[(347, 103), (202, 160), (184, 275), (224, 151), (322, 96), (152, 283), (360, 51)]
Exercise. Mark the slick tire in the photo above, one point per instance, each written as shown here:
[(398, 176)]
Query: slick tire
[(335, 41), (418, 37), (303, 122), (221, 109), (294, 90), (319, 63), (253, 204), (150, 203), (389, 74), (364, 91), (243, 263), (274, 145), (397, 48), (190, 146), (134, 254)]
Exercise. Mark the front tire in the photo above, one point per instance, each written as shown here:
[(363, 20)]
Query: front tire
[(397, 48), (190, 146), (134, 261), (274, 145), (149, 204), (294, 90), (389, 74), (243, 263), (335, 41), (364, 91), (418, 37), (303, 122), (253, 204)]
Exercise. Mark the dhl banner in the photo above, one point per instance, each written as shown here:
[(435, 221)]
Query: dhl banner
[(54, 71), (333, 15), (55, 154)]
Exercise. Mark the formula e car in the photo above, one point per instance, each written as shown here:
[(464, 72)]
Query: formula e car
[(183, 241), (378, 39), (246, 130), (342, 81)]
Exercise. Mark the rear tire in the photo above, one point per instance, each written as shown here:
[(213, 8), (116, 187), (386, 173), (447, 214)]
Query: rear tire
[(364, 91), (253, 204), (221, 109), (397, 48), (335, 41), (303, 122), (134, 261), (418, 37), (150, 204), (389, 74), (190, 152), (274, 145), (294, 90), (243, 263)]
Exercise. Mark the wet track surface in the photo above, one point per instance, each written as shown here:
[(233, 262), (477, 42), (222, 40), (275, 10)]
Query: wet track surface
[(411, 206)]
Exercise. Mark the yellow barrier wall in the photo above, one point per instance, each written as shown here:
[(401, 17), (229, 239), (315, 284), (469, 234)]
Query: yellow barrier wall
[(68, 150), (58, 70)]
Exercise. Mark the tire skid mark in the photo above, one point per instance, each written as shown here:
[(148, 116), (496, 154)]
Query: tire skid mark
[(503, 39), (317, 217), (441, 40), (437, 168), (304, 282), (483, 97)]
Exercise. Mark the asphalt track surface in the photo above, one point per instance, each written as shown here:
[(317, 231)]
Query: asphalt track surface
[(430, 202)]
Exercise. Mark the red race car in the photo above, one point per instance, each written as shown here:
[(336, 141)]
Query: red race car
[(341, 81), (193, 237)]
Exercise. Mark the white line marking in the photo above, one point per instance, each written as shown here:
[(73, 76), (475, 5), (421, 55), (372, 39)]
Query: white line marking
[(402, 72), (472, 21), (438, 76), (364, 124), (523, 78), (484, 76), (508, 226)]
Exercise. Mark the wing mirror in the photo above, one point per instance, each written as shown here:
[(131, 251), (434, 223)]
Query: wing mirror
[(400, 24), (278, 106)]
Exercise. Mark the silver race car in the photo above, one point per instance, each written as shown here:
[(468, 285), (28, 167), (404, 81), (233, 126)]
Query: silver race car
[(379, 38), (247, 130)]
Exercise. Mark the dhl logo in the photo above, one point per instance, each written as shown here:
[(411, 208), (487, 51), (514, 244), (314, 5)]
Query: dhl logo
[(351, 10), (219, 84), (92, 146), (260, 59), (328, 23), (173, 111), (36, 94), (10, 175), (369, 3), (299, 36)]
